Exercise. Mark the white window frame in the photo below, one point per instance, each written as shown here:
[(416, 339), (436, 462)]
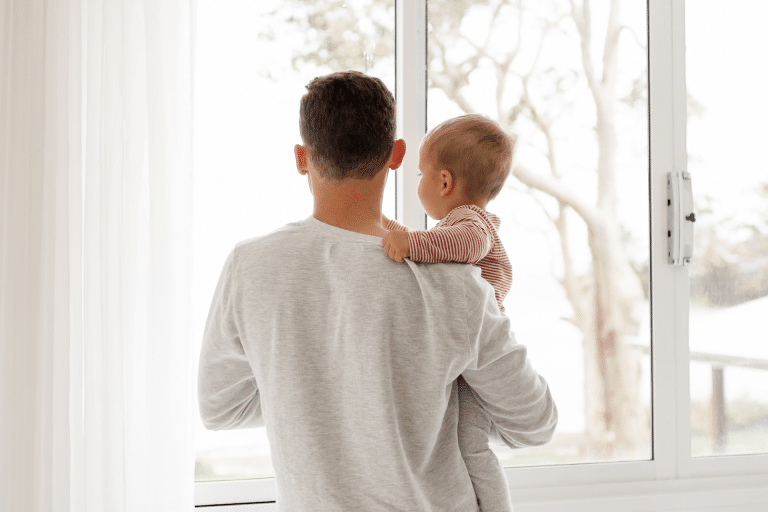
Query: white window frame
[(672, 480)]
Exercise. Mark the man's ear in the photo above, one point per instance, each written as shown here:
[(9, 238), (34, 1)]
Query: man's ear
[(397, 155), (300, 152)]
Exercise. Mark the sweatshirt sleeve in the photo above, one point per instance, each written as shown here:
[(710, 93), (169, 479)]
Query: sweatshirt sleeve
[(515, 397), (467, 239), (227, 393)]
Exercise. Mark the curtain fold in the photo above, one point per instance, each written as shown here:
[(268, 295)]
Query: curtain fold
[(97, 403)]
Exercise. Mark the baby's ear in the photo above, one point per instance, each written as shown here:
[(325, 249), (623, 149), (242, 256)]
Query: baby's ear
[(448, 178)]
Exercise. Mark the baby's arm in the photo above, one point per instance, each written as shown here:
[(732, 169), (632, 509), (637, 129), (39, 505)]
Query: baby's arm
[(469, 240), (395, 242), (392, 225)]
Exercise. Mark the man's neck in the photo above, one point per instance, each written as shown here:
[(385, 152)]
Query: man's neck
[(354, 205), (369, 224)]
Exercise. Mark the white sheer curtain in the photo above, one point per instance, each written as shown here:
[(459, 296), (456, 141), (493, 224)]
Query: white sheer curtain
[(97, 399)]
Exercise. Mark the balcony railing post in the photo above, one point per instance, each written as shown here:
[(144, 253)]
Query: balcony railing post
[(719, 417)]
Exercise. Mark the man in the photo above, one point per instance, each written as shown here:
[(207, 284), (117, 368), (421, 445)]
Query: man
[(348, 358)]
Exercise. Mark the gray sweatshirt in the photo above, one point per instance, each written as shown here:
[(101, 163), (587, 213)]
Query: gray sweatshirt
[(350, 360)]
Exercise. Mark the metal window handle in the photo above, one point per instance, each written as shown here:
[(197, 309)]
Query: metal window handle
[(680, 218)]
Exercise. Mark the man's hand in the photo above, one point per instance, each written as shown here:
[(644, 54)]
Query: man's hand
[(396, 245)]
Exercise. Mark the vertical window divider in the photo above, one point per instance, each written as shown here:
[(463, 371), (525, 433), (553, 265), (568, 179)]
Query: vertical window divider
[(411, 95), (669, 285), (681, 280)]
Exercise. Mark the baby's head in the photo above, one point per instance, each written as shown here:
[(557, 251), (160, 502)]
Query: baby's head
[(464, 160)]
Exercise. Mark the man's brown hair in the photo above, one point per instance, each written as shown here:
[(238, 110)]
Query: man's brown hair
[(347, 122), (476, 149)]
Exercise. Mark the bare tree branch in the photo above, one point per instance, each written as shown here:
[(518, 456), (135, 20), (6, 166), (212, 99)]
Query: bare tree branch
[(583, 19), (452, 90), (554, 187), (451, 80), (611, 48), (507, 63), (641, 44), (529, 192), (575, 289)]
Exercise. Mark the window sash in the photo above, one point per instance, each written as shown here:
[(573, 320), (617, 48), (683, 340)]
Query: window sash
[(670, 357), (672, 469), (411, 94)]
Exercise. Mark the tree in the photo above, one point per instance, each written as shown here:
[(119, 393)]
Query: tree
[(605, 298)]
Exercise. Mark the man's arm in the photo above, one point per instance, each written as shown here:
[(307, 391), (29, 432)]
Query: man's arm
[(514, 396), (227, 393)]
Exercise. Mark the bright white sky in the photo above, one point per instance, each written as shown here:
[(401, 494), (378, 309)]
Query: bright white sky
[(246, 183), (727, 51)]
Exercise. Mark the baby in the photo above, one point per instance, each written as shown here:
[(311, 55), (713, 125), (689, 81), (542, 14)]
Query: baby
[(464, 163)]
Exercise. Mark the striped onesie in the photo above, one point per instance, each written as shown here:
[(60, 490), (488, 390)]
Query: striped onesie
[(469, 234)]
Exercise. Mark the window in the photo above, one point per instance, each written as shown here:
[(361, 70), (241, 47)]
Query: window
[(575, 88), (246, 124), (586, 228), (729, 274)]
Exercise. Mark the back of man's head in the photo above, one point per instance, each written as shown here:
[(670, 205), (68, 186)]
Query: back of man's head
[(347, 122)]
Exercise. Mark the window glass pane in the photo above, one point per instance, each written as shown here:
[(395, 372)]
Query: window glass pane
[(575, 213), (252, 62), (727, 76)]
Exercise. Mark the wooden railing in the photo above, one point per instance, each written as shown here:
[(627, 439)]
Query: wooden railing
[(718, 362)]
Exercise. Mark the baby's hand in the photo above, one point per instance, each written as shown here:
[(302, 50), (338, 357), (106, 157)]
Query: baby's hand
[(396, 245)]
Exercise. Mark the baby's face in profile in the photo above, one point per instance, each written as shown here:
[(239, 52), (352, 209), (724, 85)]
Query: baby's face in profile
[(434, 193), (430, 185), (433, 187)]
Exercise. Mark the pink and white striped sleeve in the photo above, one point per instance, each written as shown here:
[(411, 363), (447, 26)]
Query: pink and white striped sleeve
[(393, 225), (464, 239)]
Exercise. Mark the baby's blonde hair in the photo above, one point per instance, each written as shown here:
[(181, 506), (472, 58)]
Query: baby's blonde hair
[(474, 148)]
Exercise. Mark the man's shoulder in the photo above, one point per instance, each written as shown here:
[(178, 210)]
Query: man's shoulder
[(454, 275), (461, 271), (271, 239), (291, 243)]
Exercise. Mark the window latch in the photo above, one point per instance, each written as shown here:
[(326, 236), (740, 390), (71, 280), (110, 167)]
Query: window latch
[(680, 218)]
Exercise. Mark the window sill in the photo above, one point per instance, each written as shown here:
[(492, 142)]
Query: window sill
[(723, 494)]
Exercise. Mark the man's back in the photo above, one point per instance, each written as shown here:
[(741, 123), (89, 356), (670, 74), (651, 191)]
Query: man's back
[(352, 359)]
